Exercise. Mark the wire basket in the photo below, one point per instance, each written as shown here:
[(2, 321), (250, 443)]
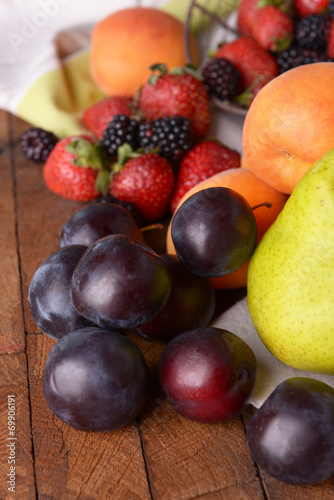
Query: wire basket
[(213, 23)]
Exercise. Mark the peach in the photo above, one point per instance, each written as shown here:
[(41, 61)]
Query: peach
[(256, 192), (289, 125), (125, 44)]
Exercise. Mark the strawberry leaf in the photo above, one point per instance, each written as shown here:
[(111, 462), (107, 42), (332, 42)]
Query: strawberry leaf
[(102, 183), (158, 70), (88, 155)]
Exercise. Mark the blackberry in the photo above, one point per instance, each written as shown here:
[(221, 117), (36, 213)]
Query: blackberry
[(312, 32), (122, 129), (221, 78), (330, 9), (172, 135), (296, 56), (37, 144), (286, 59)]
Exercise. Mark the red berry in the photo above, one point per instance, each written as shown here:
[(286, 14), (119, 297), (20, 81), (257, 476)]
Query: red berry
[(66, 179), (330, 43), (203, 160), (250, 59), (96, 117), (147, 182), (273, 29), (245, 16), (306, 7), (178, 93)]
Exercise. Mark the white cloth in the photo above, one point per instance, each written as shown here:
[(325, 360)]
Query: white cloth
[(270, 371)]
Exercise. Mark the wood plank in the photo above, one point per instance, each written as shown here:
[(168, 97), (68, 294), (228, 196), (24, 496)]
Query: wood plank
[(187, 459), (75, 464), (12, 338), (15, 441), (41, 215)]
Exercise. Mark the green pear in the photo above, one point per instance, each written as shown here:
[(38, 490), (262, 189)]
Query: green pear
[(290, 281)]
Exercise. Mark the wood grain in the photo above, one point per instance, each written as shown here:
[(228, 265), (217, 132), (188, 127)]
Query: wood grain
[(12, 337), (14, 382)]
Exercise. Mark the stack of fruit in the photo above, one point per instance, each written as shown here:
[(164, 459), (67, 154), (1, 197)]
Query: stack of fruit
[(273, 37), (231, 226), (146, 150)]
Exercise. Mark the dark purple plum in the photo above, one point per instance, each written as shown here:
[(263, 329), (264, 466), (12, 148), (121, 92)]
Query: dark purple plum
[(291, 436), (190, 305), (97, 220), (214, 232), (49, 293), (120, 283), (96, 380), (208, 374)]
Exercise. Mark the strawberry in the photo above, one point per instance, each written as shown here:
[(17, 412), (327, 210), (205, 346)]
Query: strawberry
[(71, 170), (330, 43), (247, 11), (178, 92), (245, 16), (250, 59), (96, 117), (202, 161), (273, 29), (246, 98), (145, 180), (306, 7)]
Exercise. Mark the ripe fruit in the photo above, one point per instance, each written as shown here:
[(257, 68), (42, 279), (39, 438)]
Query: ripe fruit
[(171, 135), (292, 435), (252, 61), (312, 32), (125, 44), (93, 222), (120, 130), (176, 92), (49, 294), (306, 7), (255, 192), (273, 29), (120, 283), (277, 145), (147, 181), (190, 304), (207, 374), (95, 380), (214, 232), (203, 160), (245, 16), (37, 144), (222, 78), (96, 117), (291, 275), (66, 179)]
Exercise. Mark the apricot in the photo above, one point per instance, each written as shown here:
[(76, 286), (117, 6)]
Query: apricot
[(127, 42), (256, 192), (289, 125)]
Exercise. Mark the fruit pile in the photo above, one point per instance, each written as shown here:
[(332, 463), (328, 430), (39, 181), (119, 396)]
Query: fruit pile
[(103, 282), (273, 37), (146, 150), (143, 158)]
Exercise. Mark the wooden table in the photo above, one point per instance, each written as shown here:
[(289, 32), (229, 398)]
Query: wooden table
[(160, 455)]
